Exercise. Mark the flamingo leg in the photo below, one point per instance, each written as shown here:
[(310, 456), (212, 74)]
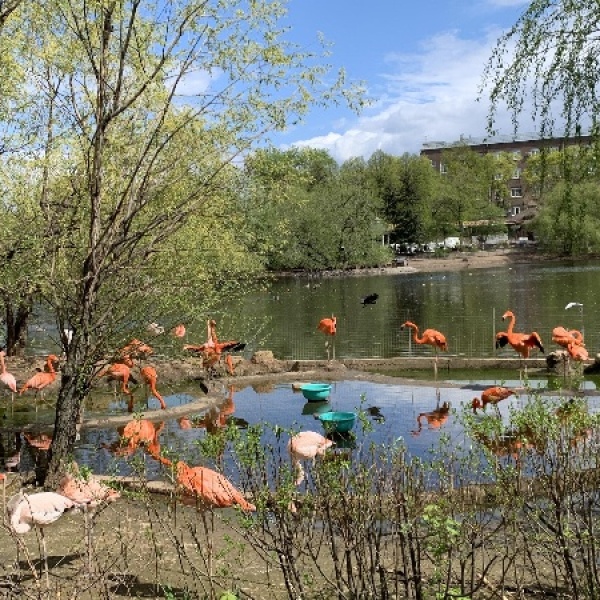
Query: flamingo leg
[(45, 557)]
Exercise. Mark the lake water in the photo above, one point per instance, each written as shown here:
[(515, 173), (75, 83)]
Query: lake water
[(465, 305)]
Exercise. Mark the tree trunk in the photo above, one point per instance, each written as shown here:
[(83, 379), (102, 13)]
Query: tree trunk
[(74, 388), (16, 327)]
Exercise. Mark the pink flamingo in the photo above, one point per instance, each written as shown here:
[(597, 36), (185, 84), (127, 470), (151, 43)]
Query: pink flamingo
[(41, 380), (8, 379), (27, 511), (306, 445), (150, 377)]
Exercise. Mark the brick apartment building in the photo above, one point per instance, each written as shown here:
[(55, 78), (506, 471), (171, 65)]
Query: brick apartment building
[(523, 202)]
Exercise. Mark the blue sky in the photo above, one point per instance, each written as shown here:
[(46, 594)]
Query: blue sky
[(421, 61)]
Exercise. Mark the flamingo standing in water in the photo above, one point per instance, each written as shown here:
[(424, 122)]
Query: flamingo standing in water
[(8, 379), (431, 337), (492, 395), (121, 371), (150, 377), (42, 379), (522, 343), (306, 445), (28, 511)]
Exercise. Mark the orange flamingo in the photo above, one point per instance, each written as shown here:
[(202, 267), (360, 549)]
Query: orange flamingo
[(137, 433), (41, 380), (8, 379), (430, 337), (135, 349), (121, 371), (150, 377), (491, 395), (435, 418), (210, 487), (211, 351), (178, 330), (563, 337), (329, 328), (522, 343), (577, 352), (306, 445), (204, 485)]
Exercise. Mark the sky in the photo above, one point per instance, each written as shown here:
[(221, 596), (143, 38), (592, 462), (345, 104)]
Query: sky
[(421, 62)]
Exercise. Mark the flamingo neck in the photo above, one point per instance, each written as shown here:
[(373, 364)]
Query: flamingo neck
[(416, 333), (2, 365), (511, 324)]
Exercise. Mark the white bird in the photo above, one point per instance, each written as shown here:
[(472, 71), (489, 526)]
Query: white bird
[(572, 304), (27, 511)]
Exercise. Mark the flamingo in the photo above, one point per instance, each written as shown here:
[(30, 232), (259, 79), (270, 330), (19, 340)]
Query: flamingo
[(41, 380), (522, 343), (8, 379), (563, 337), (430, 337), (121, 371), (210, 487), (212, 349), (150, 377), (491, 395), (306, 445), (178, 330), (329, 328), (577, 352), (88, 492), (137, 433), (135, 349), (27, 511)]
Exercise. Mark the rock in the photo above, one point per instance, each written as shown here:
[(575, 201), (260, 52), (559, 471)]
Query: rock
[(594, 367), (262, 357)]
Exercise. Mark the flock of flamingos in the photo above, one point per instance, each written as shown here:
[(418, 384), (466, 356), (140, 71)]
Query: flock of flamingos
[(201, 485)]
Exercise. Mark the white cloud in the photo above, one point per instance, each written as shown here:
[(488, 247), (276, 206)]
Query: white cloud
[(430, 96)]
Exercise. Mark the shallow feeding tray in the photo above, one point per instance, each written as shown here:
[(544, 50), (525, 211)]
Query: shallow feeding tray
[(340, 422), (316, 392)]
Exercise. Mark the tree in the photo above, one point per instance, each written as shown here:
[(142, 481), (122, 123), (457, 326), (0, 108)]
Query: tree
[(151, 105), (548, 64), (405, 186), (466, 189)]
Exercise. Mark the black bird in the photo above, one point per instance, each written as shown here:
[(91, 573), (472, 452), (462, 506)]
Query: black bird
[(370, 299)]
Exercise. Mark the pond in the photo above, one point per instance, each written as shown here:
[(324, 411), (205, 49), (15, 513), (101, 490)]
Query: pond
[(403, 411), (465, 305)]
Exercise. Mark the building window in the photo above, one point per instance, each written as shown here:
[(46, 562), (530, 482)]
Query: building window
[(516, 192), (534, 151), (516, 210), (433, 163), (443, 168), (498, 176), (516, 154), (516, 174)]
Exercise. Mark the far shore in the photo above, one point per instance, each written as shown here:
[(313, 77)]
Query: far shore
[(454, 261)]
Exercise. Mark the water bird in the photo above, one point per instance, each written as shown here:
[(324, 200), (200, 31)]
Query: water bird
[(370, 299)]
